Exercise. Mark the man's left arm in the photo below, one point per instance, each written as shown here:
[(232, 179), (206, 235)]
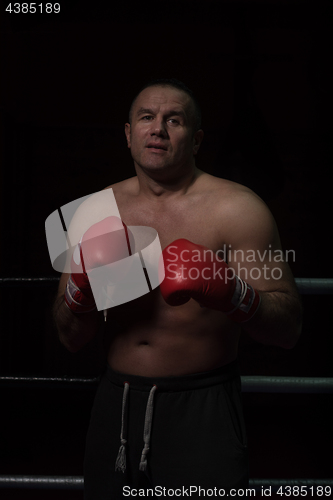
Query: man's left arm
[(256, 256)]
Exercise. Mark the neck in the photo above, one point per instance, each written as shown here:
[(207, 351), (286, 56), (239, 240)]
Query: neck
[(158, 187)]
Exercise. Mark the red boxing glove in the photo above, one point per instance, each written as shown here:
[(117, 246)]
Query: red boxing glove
[(194, 271), (103, 243)]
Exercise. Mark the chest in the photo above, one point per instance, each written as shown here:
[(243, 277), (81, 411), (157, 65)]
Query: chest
[(195, 220)]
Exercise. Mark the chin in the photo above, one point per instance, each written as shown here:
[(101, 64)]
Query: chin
[(154, 167)]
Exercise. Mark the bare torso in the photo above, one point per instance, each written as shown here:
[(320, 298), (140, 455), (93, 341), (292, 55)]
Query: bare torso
[(147, 336)]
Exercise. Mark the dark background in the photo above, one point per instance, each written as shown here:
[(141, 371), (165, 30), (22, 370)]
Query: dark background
[(260, 71)]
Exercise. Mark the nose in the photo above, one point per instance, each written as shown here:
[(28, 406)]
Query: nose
[(159, 128)]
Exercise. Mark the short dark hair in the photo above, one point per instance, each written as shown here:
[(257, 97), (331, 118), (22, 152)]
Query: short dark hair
[(177, 84)]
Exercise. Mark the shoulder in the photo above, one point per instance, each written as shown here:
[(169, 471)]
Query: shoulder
[(241, 211), (89, 210), (125, 187), (231, 196)]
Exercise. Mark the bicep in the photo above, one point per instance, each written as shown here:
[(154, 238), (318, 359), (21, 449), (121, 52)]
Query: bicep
[(256, 253), (62, 285)]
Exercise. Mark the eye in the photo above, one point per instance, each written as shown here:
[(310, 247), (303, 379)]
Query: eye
[(173, 121), (147, 117)]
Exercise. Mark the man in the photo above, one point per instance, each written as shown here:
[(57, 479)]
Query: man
[(171, 390)]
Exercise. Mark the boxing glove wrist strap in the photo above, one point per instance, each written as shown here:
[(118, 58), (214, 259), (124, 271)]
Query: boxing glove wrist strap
[(246, 301), (75, 300)]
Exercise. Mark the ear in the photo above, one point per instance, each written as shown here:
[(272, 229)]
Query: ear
[(197, 140), (128, 134)]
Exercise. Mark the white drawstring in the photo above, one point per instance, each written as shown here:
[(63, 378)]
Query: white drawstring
[(147, 429), (121, 458)]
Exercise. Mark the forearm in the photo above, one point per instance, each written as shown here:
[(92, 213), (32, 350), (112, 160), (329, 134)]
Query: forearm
[(75, 330), (278, 320)]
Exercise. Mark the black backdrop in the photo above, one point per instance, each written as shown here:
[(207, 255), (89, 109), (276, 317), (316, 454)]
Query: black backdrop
[(260, 71)]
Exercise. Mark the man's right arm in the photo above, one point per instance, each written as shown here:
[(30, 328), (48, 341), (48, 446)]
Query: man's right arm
[(76, 317), (75, 330)]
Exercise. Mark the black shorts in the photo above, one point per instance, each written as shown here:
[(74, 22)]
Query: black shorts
[(197, 435)]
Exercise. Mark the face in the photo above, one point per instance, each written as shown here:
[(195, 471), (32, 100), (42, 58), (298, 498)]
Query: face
[(160, 135)]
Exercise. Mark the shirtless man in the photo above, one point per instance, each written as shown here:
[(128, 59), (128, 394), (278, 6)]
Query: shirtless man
[(172, 361)]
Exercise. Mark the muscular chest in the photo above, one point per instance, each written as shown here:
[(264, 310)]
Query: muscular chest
[(193, 220)]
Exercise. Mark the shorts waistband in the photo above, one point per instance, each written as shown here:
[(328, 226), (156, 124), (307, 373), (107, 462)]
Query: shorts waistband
[(179, 383)]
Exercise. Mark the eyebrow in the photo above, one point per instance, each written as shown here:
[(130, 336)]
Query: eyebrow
[(142, 111)]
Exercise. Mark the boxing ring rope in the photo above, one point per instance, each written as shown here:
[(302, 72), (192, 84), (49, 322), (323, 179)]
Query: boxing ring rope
[(306, 286), (250, 383), (77, 482), (264, 384)]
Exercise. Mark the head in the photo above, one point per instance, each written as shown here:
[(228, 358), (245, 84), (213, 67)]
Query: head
[(176, 84), (166, 114)]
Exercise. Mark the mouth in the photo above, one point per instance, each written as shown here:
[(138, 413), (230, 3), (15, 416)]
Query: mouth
[(156, 147)]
